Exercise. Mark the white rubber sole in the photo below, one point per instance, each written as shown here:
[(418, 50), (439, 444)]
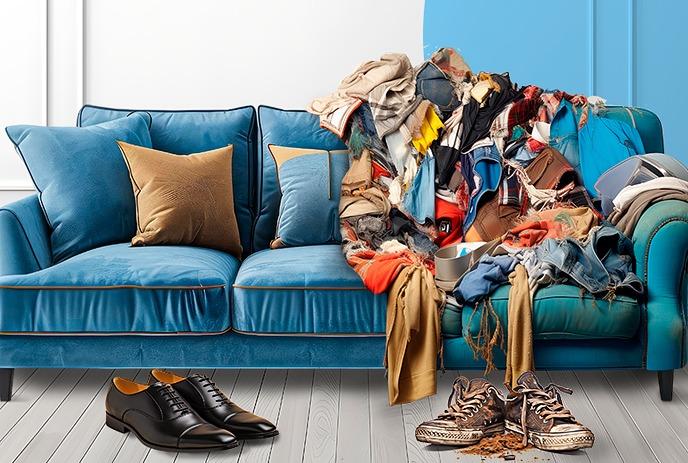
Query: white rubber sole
[(559, 442), (441, 436)]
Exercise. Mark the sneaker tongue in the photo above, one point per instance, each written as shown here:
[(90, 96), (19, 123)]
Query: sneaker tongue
[(529, 380), (477, 384)]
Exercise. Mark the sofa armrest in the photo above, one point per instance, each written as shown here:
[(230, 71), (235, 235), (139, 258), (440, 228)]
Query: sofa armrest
[(660, 244), (25, 237)]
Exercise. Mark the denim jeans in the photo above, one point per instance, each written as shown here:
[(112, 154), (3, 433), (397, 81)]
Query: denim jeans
[(601, 263)]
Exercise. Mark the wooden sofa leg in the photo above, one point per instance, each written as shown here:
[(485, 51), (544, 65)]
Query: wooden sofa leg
[(666, 384), (6, 376)]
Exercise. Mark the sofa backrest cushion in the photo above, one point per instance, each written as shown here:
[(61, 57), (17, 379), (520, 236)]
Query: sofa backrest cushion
[(82, 180), (191, 131), (292, 128), (646, 122)]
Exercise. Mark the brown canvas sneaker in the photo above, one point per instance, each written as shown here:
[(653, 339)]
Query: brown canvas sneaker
[(475, 409), (538, 415)]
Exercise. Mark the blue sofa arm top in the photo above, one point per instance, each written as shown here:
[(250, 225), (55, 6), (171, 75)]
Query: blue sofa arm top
[(25, 237), (660, 244)]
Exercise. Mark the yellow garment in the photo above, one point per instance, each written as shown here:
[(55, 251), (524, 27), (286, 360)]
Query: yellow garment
[(519, 351), (413, 335), (429, 131)]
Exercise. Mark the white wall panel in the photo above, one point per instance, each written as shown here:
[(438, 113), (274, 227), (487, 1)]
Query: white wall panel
[(23, 92), (219, 54)]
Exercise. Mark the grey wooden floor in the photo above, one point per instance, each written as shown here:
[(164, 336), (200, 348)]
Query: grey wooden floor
[(333, 415)]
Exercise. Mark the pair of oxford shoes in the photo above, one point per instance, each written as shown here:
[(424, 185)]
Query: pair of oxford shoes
[(181, 413)]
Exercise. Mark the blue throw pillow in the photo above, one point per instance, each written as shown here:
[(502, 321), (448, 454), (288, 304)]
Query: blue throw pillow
[(310, 181), (82, 180)]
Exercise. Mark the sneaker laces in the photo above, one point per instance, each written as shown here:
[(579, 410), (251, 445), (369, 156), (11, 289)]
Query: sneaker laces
[(173, 399), (546, 402), (462, 404), (212, 389)]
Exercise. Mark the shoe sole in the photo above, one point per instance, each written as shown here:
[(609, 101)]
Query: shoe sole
[(441, 436), (120, 426), (559, 442), (264, 435)]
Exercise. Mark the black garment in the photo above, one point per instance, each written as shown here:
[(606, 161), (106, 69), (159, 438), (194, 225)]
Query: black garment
[(161, 419), (476, 120), (446, 158)]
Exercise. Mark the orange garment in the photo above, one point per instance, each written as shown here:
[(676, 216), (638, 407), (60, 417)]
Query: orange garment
[(378, 270), (560, 222)]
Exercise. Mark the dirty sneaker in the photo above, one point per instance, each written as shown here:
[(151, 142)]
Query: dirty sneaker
[(537, 414), (475, 409)]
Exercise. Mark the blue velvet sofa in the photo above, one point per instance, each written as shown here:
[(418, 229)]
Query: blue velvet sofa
[(183, 307)]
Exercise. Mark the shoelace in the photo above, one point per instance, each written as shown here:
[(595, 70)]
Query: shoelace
[(213, 390), (545, 402), (176, 403), (462, 405)]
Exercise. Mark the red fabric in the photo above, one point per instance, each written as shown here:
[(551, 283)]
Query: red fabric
[(448, 220), (379, 171), (535, 146)]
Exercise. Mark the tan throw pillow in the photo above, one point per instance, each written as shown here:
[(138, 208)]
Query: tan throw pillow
[(183, 199)]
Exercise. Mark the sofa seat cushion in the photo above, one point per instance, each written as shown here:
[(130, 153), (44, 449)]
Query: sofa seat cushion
[(307, 290), (121, 289), (562, 312)]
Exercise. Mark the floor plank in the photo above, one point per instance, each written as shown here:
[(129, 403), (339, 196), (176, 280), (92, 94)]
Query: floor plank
[(26, 428), (24, 398), (327, 415), (387, 435), (21, 375), (79, 438), (293, 417), (51, 434), (353, 430), (630, 443), (267, 406), (321, 434), (652, 424), (675, 412)]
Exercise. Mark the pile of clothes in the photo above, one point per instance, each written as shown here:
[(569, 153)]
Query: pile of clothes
[(443, 157)]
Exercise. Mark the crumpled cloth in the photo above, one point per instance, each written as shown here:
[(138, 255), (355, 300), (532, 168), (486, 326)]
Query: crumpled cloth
[(559, 222), (413, 335), (627, 218), (519, 351), (388, 84)]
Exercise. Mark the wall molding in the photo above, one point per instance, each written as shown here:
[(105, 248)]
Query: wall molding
[(631, 51), (17, 188)]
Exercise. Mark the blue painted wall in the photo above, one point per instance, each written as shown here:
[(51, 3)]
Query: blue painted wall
[(632, 52)]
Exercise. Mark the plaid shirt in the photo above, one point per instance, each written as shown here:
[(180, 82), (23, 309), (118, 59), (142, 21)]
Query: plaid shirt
[(510, 190)]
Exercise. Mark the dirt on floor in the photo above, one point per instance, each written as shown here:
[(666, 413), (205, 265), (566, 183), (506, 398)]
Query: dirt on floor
[(500, 446)]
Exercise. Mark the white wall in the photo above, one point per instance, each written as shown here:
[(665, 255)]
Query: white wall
[(202, 54)]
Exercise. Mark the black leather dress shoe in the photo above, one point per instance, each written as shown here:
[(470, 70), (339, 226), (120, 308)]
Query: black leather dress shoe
[(214, 406), (161, 419)]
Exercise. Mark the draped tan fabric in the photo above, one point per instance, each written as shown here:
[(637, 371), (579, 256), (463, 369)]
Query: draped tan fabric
[(519, 352), (183, 199), (413, 335)]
